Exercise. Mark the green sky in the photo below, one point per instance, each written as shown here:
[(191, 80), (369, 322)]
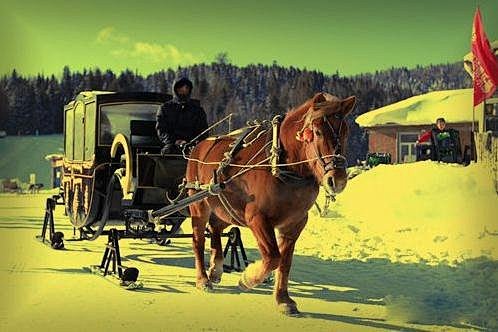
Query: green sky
[(351, 36)]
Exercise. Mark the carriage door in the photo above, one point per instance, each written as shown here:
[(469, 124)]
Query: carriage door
[(89, 131), (69, 134), (406, 147)]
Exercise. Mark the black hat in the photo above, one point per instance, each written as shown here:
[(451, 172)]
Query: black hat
[(182, 82), (440, 119)]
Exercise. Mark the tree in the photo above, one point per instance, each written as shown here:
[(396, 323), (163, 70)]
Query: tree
[(4, 107), (222, 58), (256, 91)]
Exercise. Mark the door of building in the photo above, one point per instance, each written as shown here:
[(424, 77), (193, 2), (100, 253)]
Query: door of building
[(406, 147)]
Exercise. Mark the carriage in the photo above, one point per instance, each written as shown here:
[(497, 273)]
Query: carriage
[(265, 176), (111, 153), (115, 180)]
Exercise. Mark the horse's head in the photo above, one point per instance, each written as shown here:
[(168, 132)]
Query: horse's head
[(323, 135)]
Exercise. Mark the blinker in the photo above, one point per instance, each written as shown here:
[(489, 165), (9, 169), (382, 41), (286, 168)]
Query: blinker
[(308, 135)]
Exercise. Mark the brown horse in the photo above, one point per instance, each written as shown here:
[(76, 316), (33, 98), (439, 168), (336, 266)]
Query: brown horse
[(312, 138)]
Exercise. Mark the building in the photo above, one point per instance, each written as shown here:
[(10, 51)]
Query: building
[(395, 128), (56, 161)]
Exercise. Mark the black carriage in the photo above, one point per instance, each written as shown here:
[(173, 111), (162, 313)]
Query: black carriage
[(112, 158)]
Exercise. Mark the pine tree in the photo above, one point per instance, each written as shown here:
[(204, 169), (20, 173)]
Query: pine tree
[(253, 91)]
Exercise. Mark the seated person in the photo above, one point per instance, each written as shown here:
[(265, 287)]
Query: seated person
[(181, 119), (445, 142), (423, 146)]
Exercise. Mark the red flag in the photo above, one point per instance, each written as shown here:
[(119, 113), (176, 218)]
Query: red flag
[(484, 63)]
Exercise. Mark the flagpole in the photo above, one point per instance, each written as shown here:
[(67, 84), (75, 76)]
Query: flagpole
[(473, 156)]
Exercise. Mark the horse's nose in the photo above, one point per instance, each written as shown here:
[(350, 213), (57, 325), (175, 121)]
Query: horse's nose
[(337, 185)]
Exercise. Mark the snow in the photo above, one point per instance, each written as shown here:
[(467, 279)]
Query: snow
[(410, 246), (410, 213), (453, 105)]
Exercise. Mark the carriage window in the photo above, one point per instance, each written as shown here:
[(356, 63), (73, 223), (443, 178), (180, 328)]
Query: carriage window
[(68, 149), (79, 113), (89, 130), (116, 119)]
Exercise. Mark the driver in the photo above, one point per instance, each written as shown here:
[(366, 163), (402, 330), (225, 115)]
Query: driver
[(181, 119)]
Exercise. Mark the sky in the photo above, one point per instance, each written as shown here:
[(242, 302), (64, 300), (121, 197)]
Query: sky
[(350, 37)]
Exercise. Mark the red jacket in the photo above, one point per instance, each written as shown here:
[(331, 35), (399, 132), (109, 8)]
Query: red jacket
[(425, 137)]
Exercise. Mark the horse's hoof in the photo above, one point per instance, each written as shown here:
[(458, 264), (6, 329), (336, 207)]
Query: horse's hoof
[(206, 287), (289, 309), (214, 277), (244, 284), (243, 287)]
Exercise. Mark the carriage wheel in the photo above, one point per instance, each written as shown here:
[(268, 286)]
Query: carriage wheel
[(93, 231)]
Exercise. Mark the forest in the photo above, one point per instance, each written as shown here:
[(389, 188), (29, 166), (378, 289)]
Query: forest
[(33, 105)]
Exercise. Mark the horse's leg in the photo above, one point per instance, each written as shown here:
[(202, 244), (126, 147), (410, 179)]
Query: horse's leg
[(216, 262), (285, 304), (200, 212), (256, 273), (286, 242)]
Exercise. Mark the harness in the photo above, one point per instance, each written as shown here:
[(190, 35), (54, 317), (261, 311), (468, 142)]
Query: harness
[(274, 153)]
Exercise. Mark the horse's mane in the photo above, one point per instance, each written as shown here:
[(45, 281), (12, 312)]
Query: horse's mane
[(311, 110), (322, 104)]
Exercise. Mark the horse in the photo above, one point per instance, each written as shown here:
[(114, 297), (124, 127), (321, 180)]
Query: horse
[(313, 140)]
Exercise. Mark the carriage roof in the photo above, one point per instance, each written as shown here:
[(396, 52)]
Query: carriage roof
[(110, 97)]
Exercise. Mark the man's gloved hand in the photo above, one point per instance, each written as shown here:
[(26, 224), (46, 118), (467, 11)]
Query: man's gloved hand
[(180, 142), (166, 149)]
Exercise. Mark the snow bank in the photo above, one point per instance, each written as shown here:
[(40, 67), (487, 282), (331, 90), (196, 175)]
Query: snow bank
[(418, 212), (453, 105)]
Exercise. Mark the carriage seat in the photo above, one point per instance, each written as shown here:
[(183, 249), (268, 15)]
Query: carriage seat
[(143, 134)]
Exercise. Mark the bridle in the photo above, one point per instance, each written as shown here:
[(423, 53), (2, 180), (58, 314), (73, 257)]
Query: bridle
[(337, 160)]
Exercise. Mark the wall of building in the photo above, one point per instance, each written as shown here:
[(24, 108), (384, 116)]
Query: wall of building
[(385, 138), (487, 153)]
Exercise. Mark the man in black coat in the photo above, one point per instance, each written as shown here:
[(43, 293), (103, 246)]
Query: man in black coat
[(181, 119)]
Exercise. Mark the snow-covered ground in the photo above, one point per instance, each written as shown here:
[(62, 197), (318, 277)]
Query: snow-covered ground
[(410, 213), (405, 247)]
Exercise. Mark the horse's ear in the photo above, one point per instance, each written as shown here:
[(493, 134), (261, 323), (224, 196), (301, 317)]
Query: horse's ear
[(347, 105), (318, 98)]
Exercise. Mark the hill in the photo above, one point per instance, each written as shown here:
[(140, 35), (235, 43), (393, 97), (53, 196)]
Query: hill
[(22, 155)]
